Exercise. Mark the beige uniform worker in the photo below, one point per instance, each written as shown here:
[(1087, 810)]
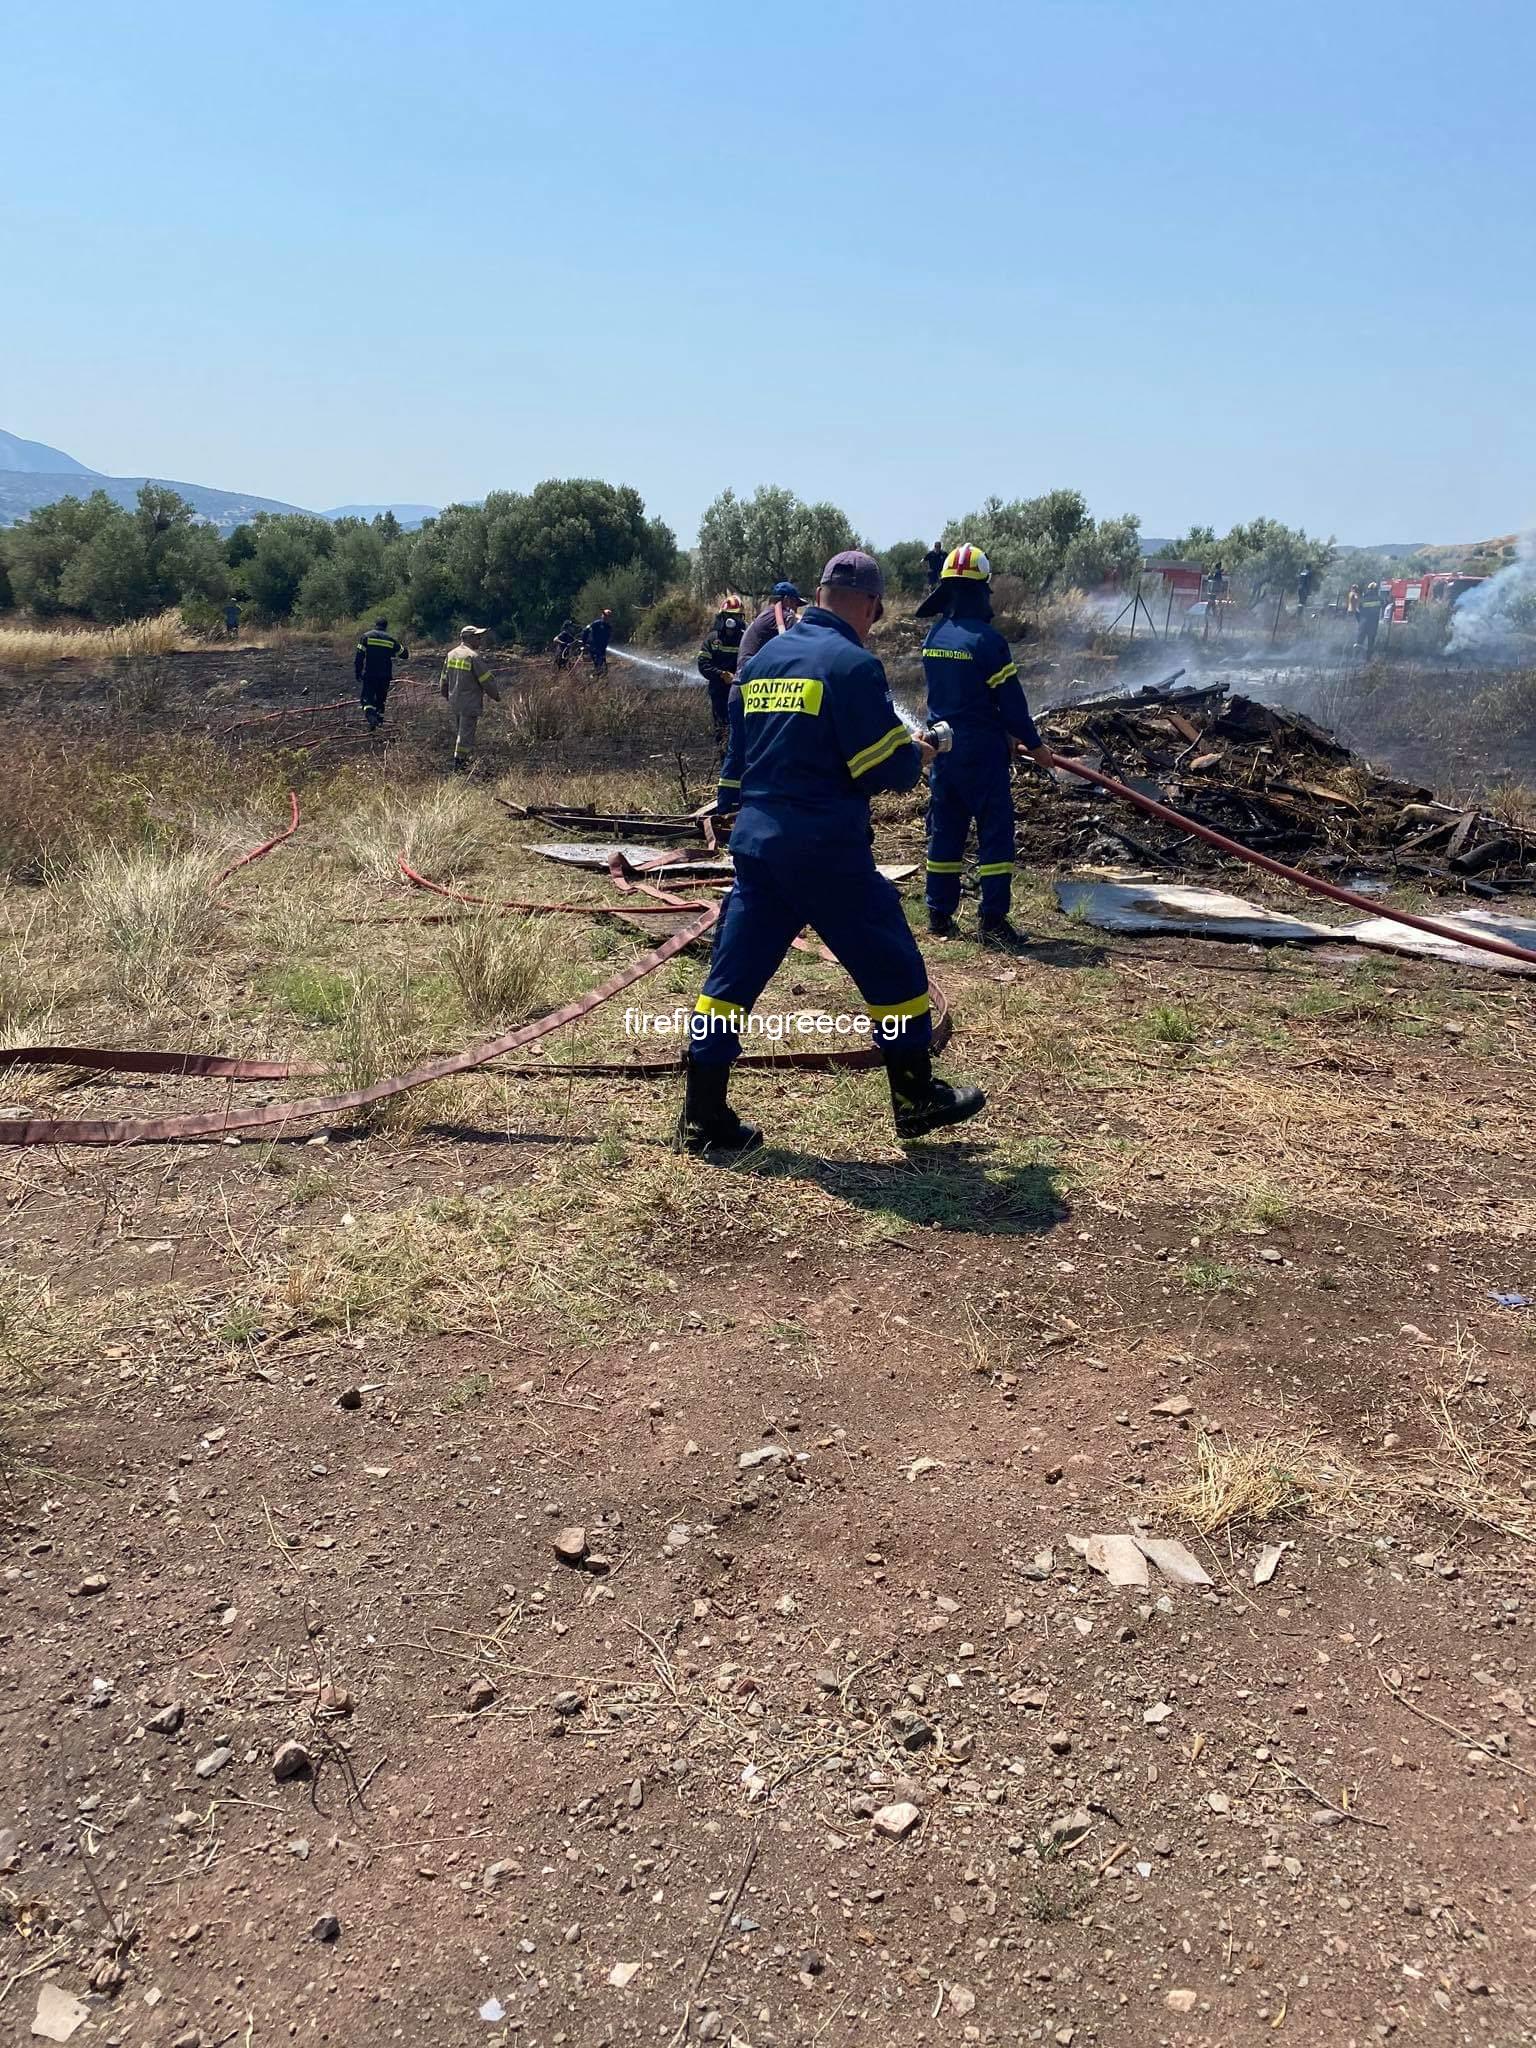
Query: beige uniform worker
[(467, 682)]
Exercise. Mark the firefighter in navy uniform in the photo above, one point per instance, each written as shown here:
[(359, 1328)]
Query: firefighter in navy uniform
[(718, 658), (814, 735), (973, 686), (373, 668)]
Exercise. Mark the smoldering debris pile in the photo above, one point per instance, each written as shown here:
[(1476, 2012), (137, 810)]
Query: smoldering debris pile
[(1265, 776)]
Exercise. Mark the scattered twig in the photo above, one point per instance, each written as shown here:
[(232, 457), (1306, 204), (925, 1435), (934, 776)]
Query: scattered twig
[(1481, 1745), (1345, 1812)]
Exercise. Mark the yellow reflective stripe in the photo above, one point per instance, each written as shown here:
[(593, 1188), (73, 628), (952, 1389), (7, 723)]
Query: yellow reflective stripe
[(995, 867), (729, 782), (881, 750), (946, 867), (719, 1006), (373, 640), (918, 1007), (1002, 675)]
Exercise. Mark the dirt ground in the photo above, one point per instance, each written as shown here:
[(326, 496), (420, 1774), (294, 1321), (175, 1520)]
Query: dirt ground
[(823, 1730)]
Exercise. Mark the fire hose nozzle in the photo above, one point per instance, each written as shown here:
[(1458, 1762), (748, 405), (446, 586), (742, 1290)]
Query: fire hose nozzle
[(940, 736)]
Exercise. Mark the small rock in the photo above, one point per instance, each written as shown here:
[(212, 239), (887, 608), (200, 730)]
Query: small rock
[(326, 1928), (571, 1545), (569, 1703), (479, 1694), (190, 2039), (1271, 1258), (1154, 1715), (767, 1454), (1181, 2001), (622, 1974), (493, 1873), (962, 1999), (210, 1765), (897, 1820), (96, 1583), (711, 2026), (811, 1964), (1162, 1846), (1054, 1475), (167, 1722), (292, 1760), (1176, 1404), (350, 1398), (1218, 1802), (637, 1795), (1391, 1440), (827, 1680), (1059, 1742)]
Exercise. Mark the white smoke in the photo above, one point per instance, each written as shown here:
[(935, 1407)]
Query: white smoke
[(1495, 623)]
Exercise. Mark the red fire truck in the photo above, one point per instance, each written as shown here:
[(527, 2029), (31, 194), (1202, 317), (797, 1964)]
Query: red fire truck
[(1442, 587)]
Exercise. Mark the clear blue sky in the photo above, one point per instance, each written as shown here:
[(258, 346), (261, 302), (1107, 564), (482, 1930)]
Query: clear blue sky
[(1199, 261)]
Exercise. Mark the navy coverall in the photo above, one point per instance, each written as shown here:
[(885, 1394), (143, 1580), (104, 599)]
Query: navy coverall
[(814, 735), (595, 639), (717, 665), (973, 682), (373, 668)]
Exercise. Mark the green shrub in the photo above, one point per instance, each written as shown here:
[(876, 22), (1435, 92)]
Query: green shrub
[(677, 619)]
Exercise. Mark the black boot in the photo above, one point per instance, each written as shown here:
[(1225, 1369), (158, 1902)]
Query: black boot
[(998, 935), (708, 1126), (921, 1103), (940, 925)]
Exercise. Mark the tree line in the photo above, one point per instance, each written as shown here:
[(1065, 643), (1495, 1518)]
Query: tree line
[(519, 562), (522, 561)]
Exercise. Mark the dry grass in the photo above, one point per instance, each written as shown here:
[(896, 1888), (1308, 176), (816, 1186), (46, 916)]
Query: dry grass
[(28, 647), (151, 912), (1270, 1480), (504, 971), (1478, 1468), (437, 832)]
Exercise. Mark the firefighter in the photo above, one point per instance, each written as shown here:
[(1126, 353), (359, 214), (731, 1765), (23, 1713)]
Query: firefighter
[(373, 669), (231, 619), (775, 618), (933, 562), (718, 659), (814, 735), (1370, 617), (1303, 590), (973, 686), (467, 682), (595, 638), (565, 643)]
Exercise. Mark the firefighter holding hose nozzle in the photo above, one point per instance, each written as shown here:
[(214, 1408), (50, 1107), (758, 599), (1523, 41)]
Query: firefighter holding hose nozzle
[(973, 686), (718, 658)]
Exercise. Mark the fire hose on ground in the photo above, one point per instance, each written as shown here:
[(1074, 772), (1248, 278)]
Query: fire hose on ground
[(279, 1115), (1488, 942)]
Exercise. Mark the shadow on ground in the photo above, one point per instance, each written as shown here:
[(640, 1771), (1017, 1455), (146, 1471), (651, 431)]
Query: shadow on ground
[(946, 1186)]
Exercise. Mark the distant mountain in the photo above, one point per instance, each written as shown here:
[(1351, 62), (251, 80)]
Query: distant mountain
[(408, 515), (22, 492), (37, 456)]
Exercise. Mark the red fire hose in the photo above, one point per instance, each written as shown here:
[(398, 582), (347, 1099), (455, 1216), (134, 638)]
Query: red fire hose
[(1487, 941), (267, 845)]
